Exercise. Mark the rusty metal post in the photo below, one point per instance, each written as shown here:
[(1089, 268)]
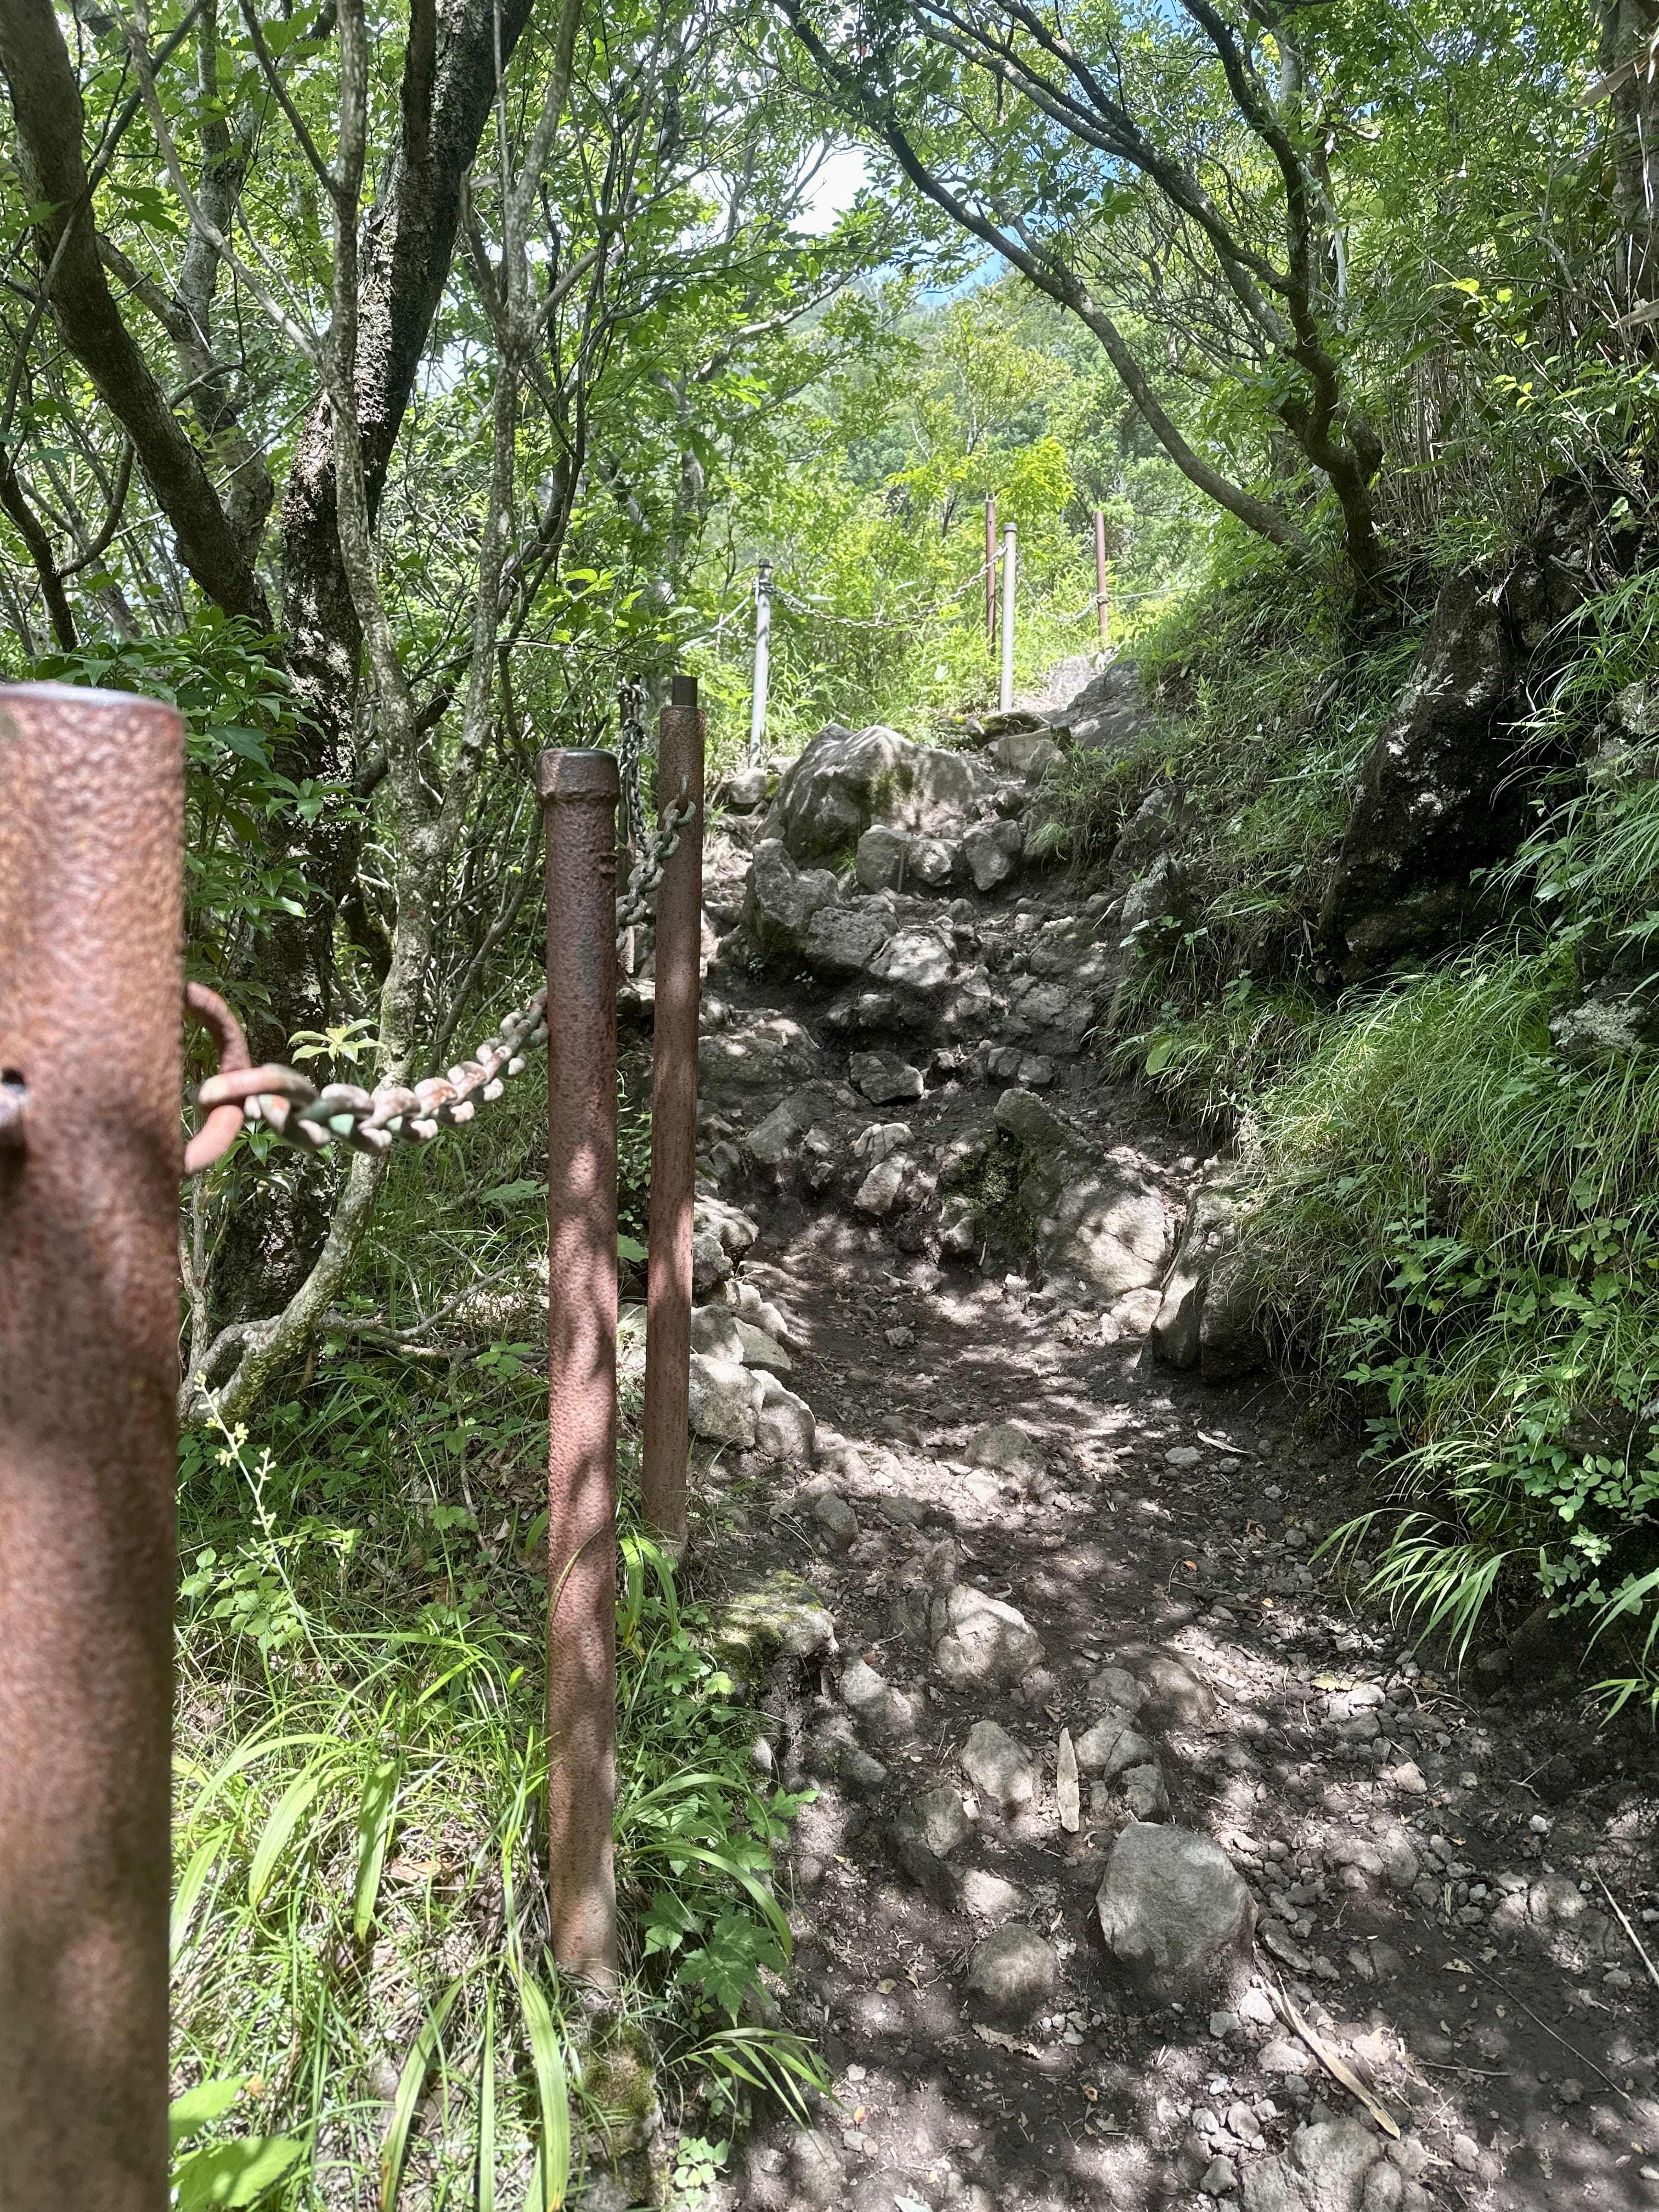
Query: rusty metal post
[(990, 575), (1100, 574), (674, 1126), (579, 791), (91, 979)]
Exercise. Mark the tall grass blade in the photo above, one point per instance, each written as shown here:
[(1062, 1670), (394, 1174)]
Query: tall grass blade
[(375, 1833), (192, 1883), (410, 2082), (487, 2109), (291, 1809), (552, 2092)]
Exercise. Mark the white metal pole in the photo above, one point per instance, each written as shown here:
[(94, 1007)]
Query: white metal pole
[(762, 660), (1005, 696)]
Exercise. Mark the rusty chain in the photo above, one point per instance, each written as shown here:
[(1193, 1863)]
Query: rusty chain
[(296, 1112), (631, 703)]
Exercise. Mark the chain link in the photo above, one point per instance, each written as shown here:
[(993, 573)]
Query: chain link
[(293, 1109)]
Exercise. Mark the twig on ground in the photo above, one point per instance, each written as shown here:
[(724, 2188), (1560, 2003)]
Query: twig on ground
[(1653, 1970), (1505, 1991)]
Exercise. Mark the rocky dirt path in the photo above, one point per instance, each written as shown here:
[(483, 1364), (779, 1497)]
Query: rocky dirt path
[(1148, 1866)]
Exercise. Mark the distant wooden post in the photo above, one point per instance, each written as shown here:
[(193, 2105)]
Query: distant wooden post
[(1100, 574)]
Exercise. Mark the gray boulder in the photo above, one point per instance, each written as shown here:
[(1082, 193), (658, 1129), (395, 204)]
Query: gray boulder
[(845, 782), (767, 1054), (710, 1261), (1111, 1745), (744, 792), (843, 940), (883, 1077), (990, 852), (779, 900), (1110, 714), (724, 1400), (1207, 1315), (883, 852), (980, 1642), (873, 1701), (1027, 753), (1338, 2165), (1145, 1794), (784, 1425), (1006, 1448), (884, 1187), (775, 1138), (937, 1818), (1012, 1973), (913, 960), (995, 1764), (932, 862), (1173, 1909), (1175, 1695), (714, 1334), (836, 1520), (1102, 1226), (760, 1349)]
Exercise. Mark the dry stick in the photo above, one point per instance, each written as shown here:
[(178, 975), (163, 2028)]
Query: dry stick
[(1653, 1970), (1335, 2064), (1476, 1968)]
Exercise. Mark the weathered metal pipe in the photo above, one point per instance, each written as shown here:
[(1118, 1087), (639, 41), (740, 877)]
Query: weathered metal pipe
[(579, 790), (991, 575), (673, 1125), (91, 977)]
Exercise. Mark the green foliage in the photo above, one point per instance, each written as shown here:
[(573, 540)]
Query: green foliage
[(362, 1751), (1458, 1230), (245, 815), (867, 493)]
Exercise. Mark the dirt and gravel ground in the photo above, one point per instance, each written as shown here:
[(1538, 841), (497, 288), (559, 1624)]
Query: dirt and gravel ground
[(1435, 1857)]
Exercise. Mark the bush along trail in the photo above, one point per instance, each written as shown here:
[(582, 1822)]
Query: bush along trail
[(1147, 1864)]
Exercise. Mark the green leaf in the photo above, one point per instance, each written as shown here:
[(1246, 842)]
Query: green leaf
[(1162, 1052), (291, 1808), (235, 2172), (411, 2082), (552, 2093), (630, 1248), (206, 2102), (375, 1833)]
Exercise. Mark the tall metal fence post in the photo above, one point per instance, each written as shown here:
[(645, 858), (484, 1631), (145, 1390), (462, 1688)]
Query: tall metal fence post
[(91, 984), (579, 790), (762, 662), (673, 1125), (990, 575), (1006, 695), (1100, 574)]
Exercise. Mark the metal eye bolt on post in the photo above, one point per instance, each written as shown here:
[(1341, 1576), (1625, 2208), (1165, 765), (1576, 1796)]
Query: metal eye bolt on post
[(579, 790), (91, 975), (1005, 693), (674, 1125)]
